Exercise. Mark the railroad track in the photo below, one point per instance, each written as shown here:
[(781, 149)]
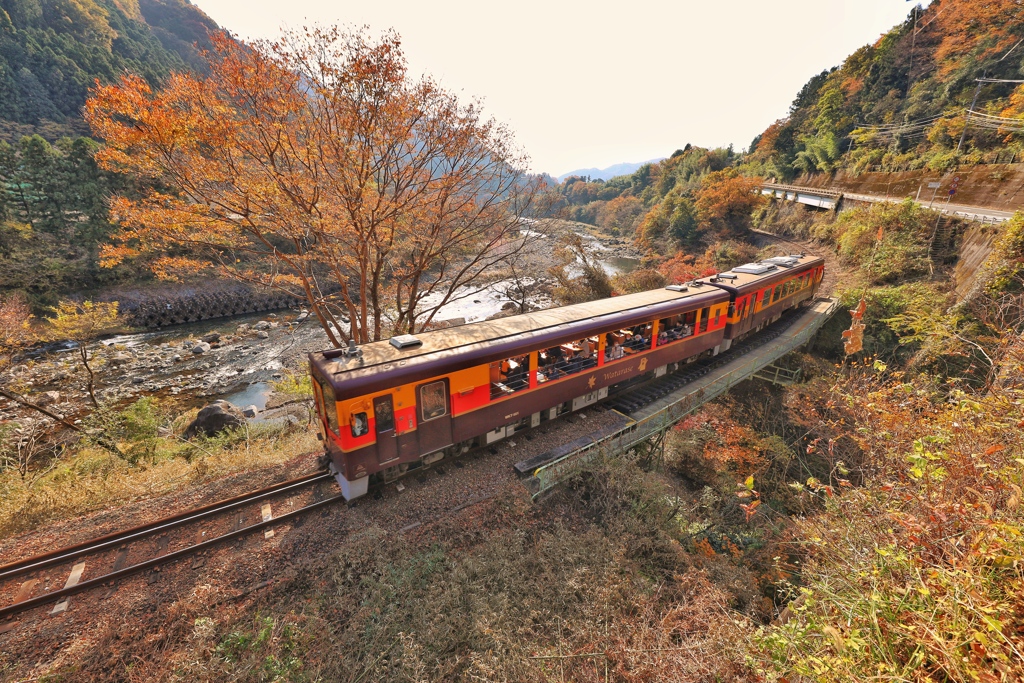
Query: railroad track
[(152, 545)]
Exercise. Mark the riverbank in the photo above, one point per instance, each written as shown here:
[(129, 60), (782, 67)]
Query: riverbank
[(240, 358)]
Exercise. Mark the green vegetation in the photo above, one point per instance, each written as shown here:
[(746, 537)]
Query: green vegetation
[(901, 103), (911, 569), (917, 574), (54, 218), (691, 201), (42, 480), (52, 51), (54, 213)]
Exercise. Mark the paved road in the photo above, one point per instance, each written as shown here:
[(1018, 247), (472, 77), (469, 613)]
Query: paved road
[(978, 213)]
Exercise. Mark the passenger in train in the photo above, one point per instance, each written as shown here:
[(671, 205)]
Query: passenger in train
[(359, 424), (662, 337), (616, 351), (517, 376)]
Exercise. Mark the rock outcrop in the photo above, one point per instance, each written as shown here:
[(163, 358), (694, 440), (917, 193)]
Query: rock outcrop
[(215, 418)]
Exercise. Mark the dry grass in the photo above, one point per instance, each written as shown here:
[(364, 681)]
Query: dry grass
[(592, 585), (93, 479)]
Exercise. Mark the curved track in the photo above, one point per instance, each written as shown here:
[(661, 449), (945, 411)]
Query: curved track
[(148, 546)]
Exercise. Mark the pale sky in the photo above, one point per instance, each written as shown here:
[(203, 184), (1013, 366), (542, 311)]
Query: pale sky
[(591, 84)]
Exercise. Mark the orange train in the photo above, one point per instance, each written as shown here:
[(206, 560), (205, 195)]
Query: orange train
[(413, 400)]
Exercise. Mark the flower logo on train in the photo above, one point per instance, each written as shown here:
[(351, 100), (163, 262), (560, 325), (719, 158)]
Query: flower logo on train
[(643, 364), (592, 381)]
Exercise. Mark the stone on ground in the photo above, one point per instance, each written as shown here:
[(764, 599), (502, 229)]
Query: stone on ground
[(215, 418)]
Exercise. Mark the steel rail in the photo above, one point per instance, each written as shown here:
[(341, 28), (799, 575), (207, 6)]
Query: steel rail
[(162, 559), (62, 555)]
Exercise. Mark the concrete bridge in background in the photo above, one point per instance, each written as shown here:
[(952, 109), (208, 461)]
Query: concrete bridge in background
[(835, 200)]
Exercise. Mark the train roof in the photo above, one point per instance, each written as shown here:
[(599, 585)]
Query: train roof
[(752, 276), (383, 365)]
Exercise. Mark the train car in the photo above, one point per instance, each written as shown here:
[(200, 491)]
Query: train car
[(760, 292), (389, 405)]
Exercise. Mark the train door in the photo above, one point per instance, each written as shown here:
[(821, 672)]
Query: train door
[(435, 416), (384, 423)]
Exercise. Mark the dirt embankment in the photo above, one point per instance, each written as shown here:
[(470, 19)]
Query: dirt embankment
[(995, 186)]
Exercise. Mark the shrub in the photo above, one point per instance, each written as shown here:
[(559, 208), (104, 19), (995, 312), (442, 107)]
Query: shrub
[(920, 574)]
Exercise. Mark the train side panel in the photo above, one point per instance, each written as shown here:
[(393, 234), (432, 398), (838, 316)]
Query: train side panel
[(355, 446)]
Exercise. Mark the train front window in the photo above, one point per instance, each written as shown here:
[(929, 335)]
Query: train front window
[(509, 376), (330, 408), (567, 359)]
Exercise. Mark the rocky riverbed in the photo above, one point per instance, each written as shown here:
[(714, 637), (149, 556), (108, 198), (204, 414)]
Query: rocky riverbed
[(239, 358)]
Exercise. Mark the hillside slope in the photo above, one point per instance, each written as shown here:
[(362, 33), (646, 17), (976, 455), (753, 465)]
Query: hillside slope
[(902, 103), (51, 51)]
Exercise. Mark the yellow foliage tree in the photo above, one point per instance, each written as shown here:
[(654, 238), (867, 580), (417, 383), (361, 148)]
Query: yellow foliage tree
[(81, 323)]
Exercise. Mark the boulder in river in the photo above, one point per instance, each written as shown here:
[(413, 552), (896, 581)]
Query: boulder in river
[(201, 347), (262, 334), (212, 337), (250, 411), (215, 418), (261, 325)]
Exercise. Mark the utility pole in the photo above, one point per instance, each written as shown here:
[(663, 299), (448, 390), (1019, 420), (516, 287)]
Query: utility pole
[(967, 119), (913, 44), (983, 79)]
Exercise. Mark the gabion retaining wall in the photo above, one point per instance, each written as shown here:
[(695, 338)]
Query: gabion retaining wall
[(191, 304)]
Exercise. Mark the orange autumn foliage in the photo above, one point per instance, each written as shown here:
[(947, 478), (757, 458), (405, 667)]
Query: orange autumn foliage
[(958, 22), (317, 166), (725, 201)]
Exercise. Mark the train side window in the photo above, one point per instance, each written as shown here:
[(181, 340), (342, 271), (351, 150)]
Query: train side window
[(568, 359), (433, 401), (676, 328), (718, 315), (509, 376), (775, 293), (330, 408), (360, 425), (383, 414), (705, 315)]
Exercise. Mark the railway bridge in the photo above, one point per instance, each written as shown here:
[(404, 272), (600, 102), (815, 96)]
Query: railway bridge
[(646, 414)]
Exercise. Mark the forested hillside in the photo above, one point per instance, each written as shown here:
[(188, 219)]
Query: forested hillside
[(53, 197), (688, 212), (904, 102), (51, 52)]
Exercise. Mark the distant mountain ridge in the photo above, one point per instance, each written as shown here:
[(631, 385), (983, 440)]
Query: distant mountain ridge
[(625, 168), (51, 52)]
